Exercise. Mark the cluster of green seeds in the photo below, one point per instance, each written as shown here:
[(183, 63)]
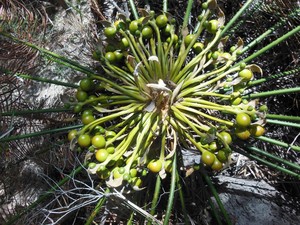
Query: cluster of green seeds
[(163, 87)]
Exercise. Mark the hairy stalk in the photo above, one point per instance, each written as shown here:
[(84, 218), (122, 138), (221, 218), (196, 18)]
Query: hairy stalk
[(279, 143), (271, 45), (275, 76), (283, 123), (272, 93), (283, 117)]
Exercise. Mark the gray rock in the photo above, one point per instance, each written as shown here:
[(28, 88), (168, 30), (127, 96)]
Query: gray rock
[(252, 202)]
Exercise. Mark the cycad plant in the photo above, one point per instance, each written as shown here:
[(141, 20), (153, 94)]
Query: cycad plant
[(163, 87)]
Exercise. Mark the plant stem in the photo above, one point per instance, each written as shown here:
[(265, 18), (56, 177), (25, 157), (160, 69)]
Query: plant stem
[(123, 111), (133, 9), (185, 135), (160, 51), (181, 197), (236, 16), (284, 123), (49, 81), (200, 84), (126, 124), (209, 106), (155, 197), (272, 93), (163, 134), (268, 163), (279, 143), (283, 117), (129, 222), (207, 75), (74, 65), (34, 111), (181, 117), (187, 13), (269, 31), (172, 191), (271, 45), (117, 73), (60, 59), (275, 76), (96, 210), (273, 157), (165, 6), (216, 196), (189, 109), (215, 212), (120, 88), (176, 73), (144, 132), (44, 132)]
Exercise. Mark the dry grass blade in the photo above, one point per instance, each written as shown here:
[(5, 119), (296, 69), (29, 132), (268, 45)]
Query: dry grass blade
[(25, 21), (97, 9)]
